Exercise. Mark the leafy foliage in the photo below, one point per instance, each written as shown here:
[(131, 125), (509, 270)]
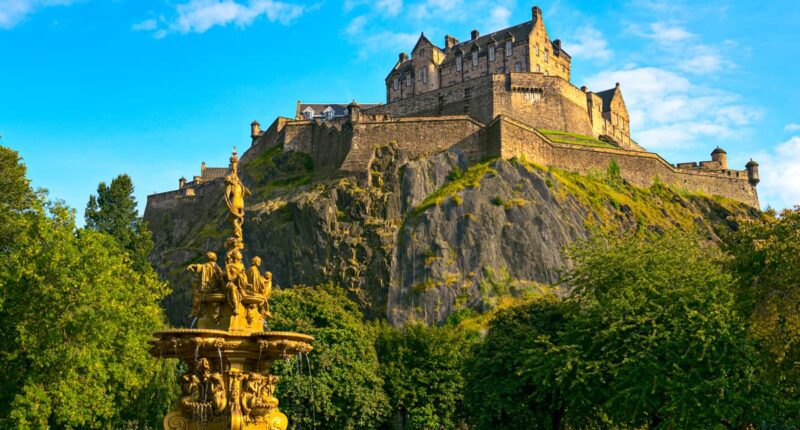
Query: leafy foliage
[(76, 318), (345, 390), (113, 211), (422, 368)]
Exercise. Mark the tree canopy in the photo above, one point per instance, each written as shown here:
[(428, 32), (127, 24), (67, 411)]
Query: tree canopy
[(76, 317)]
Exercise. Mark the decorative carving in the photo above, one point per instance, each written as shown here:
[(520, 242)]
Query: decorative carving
[(228, 386)]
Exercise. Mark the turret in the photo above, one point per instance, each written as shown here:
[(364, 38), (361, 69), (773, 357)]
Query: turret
[(719, 155), (255, 129), (354, 109), (181, 183), (752, 172)]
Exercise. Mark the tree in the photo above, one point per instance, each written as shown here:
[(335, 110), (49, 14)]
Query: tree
[(423, 368), (345, 389), (658, 341), (76, 318), (113, 211), (16, 196), (765, 259), (514, 375)]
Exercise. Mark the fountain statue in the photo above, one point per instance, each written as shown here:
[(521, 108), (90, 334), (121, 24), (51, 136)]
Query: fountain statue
[(229, 355)]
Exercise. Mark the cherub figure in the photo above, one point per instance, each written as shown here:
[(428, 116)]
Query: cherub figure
[(260, 284), (237, 279)]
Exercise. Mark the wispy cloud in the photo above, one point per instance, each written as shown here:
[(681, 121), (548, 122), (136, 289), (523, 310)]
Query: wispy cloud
[(12, 12), (198, 16), (589, 43), (792, 127), (498, 19)]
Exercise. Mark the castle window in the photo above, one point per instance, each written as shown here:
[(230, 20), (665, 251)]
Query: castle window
[(396, 83), (509, 48), (475, 58), (491, 53), (308, 114), (537, 49), (408, 80), (424, 73), (459, 64), (538, 68), (546, 55), (518, 67), (329, 114)]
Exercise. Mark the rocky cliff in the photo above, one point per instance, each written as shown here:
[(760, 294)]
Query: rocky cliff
[(430, 236)]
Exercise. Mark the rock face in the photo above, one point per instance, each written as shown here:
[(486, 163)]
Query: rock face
[(429, 237)]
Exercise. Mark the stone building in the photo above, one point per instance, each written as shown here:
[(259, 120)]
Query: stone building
[(505, 94), (324, 111)]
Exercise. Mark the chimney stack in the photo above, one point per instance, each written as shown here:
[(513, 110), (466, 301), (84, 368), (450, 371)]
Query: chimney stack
[(536, 13), (475, 34), (181, 183), (403, 57), (449, 42)]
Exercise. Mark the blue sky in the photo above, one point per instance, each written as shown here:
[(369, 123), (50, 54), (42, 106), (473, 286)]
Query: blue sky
[(93, 88)]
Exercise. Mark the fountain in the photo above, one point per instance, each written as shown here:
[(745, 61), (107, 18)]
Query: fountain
[(229, 355)]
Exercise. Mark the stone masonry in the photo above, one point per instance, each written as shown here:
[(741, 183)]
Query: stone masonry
[(498, 95)]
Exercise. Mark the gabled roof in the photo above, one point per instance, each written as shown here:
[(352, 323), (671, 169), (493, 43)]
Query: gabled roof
[(518, 32), (423, 38), (607, 96)]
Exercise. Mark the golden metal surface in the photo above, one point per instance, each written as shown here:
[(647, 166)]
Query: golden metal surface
[(229, 355)]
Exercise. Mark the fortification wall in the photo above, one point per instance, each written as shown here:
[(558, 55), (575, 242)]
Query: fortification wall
[(473, 97), (418, 136), (638, 168), (328, 143), (268, 139)]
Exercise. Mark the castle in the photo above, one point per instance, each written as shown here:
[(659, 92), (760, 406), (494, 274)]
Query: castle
[(505, 94)]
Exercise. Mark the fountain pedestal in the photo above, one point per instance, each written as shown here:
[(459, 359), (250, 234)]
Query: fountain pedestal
[(229, 355)]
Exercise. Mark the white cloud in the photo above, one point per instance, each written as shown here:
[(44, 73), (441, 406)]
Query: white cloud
[(663, 32), (146, 25), (792, 127), (669, 112), (198, 16), (389, 7), (14, 11), (587, 42), (498, 19), (356, 26), (780, 175)]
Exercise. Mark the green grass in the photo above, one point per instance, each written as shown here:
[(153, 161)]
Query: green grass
[(575, 139), (457, 182)]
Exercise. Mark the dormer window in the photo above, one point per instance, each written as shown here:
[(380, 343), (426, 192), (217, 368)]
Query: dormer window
[(491, 53), (329, 114), (396, 83), (475, 57), (509, 47), (459, 64), (308, 113)]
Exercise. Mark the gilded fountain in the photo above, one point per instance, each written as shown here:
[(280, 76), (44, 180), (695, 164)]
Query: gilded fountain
[(229, 355)]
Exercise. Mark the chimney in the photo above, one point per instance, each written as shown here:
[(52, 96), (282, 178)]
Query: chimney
[(203, 168), (475, 34), (403, 57), (255, 129), (449, 42), (536, 13), (181, 183), (557, 46), (584, 89), (617, 86)]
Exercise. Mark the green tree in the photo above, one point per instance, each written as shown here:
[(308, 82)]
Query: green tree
[(513, 376), (658, 342), (765, 259), (75, 319), (423, 372), (345, 389), (16, 196), (113, 211)]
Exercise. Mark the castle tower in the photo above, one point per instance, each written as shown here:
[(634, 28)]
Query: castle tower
[(181, 183), (752, 172), (719, 155), (255, 129)]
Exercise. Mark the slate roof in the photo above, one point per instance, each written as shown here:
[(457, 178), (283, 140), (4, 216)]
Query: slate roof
[(214, 172), (338, 109), (607, 96)]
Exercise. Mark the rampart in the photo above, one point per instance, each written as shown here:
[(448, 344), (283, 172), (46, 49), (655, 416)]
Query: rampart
[(639, 168)]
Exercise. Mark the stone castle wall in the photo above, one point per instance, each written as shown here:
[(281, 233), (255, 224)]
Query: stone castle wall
[(639, 168)]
